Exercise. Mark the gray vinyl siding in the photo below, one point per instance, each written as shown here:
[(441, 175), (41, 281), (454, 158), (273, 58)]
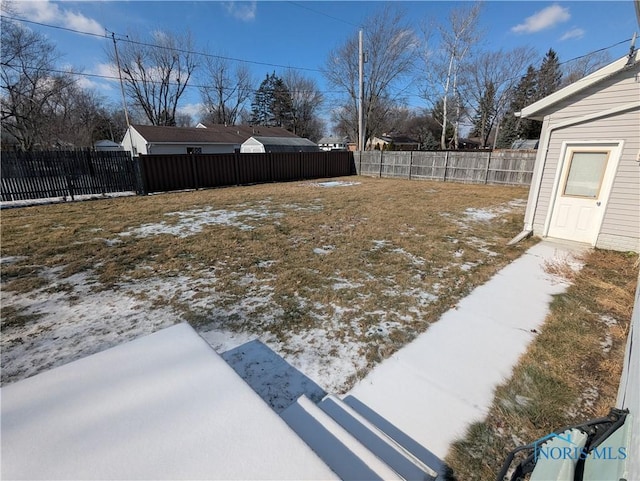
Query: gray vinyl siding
[(618, 90), (621, 225)]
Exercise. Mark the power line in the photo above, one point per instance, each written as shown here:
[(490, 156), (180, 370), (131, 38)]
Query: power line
[(596, 51), (54, 26), (126, 39), (324, 14), (157, 82), (123, 38)]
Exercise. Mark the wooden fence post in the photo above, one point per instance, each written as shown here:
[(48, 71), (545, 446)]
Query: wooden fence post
[(446, 164), (381, 161), (486, 174), (410, 163)]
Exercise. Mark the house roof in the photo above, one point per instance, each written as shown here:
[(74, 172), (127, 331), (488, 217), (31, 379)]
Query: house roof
[(246, 131), (106, 143), (212, 134), (284, 144), (397, 139), (536, 110), (332, 140)]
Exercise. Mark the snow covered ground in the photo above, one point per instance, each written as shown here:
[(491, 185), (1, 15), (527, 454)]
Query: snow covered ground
[(72, 317), (435, 387)]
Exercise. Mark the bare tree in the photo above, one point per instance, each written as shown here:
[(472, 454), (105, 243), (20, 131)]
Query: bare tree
[(390, 46), (156, 74), (443, 67), (227, 90), (576, 69), (77, 116), (306, 101), (492, 77), (29, 88)]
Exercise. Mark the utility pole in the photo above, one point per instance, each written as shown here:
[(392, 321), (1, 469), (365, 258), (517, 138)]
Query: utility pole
[(124, 99), (361, 138)]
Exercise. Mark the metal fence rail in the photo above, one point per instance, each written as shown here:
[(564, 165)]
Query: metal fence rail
[(46, 174), (513, 167)]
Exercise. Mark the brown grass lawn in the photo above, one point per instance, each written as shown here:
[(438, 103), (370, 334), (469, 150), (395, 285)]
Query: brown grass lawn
[(570, 373), (334, 279)]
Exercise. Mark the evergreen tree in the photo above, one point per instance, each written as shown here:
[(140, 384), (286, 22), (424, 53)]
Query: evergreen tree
[(483, 121), (535, 85), (514, 127), (272, 104), (549, 78)]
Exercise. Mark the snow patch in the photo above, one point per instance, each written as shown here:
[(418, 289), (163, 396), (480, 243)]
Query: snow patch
[(9, 260), (344, 284), (380, 244), (324, 250), (192, 222), (334, 183), (480, 214)]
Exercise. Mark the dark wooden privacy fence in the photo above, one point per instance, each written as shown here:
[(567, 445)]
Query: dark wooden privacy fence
[(514, 167), (46, 174), (162, 173)]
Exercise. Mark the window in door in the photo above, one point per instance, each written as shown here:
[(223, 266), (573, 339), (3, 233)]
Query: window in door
[(585, 174)]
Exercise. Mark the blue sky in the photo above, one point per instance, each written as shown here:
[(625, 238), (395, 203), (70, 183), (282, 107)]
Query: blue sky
[(301, 34)]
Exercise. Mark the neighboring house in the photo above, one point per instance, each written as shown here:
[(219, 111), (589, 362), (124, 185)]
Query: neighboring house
[(393, 142), (107, 145), (525, 144), (203, 139), (258, 144), (586, 180), (333, 143)]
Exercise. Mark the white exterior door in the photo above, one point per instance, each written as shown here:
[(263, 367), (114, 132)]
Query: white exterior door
[(583, 190)]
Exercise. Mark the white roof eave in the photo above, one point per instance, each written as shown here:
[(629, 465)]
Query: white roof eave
[(535, 110)]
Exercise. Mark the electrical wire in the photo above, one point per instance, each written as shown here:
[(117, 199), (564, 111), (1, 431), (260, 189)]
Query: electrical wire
[(124, 38), (324, 14)]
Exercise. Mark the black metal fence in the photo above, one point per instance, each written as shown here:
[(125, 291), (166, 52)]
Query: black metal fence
[(162, 173), (52, 174)]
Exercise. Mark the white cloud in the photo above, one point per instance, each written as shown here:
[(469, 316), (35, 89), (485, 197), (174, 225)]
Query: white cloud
[(245, 11), (194, 110), (545, 18), (576, 33), (77, 21), (51, 13), (87, 84), (106, 69)]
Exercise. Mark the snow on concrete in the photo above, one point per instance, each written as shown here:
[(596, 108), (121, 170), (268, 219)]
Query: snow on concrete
[(58, 200), (435, 387), (164, 406)]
